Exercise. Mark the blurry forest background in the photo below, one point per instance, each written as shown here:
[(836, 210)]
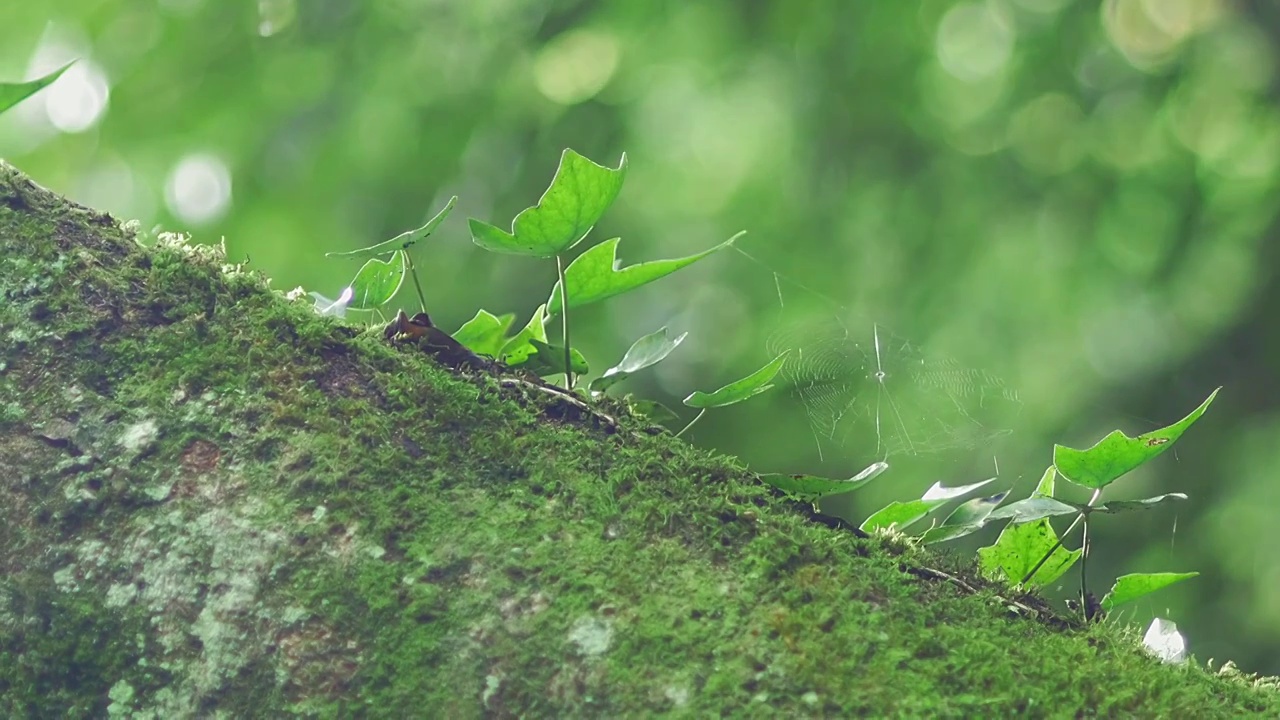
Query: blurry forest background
[(1040, 220)]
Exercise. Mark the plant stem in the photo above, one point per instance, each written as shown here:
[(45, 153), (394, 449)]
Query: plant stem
[(1084, 564), (1096, 494), (695, 419), (564, 317), (413, 273)]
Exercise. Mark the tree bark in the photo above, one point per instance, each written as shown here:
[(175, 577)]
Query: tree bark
[(216, 502)]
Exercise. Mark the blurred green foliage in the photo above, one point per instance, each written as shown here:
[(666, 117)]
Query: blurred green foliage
[(1075, 197)]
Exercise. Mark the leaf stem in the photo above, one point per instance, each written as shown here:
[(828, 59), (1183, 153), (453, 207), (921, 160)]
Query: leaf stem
[(695, 419), (1096, 494), (413, 273), (564, 317), (1084, 564)]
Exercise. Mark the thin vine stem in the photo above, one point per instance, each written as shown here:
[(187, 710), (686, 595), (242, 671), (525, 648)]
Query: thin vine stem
[(695, 419), (564, 317)]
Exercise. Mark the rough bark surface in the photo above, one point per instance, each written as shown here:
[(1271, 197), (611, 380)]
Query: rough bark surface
[(215, 503)]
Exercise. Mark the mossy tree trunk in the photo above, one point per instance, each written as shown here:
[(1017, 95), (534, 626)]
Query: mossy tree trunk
[(217, 503)]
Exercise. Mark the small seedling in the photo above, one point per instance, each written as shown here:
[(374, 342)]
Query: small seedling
[(733, 393)]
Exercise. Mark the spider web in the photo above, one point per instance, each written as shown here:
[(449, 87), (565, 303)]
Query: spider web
[(860, 383)]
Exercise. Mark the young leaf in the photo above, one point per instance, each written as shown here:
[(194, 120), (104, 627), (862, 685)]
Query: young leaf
[(549, 360), (1019, 548), (377, 282), (646, 351), (594, 275), (653, 411), (899, 514), (485, 333), (811, 487), (579, 194), (1131, 587), (966, 519), (13, 93), (404, 240), (735, 392), (1116, 506), (519, 348), (1117, 453)]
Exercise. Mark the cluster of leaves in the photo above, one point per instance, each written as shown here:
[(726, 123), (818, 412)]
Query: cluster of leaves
[(1028, 551), (577, 198)]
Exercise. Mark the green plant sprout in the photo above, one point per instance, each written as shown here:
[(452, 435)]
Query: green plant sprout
[(578, 196), (378, 281), (1027, 553), (13, 93)]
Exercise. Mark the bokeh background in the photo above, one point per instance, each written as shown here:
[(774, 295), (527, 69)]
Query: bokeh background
[(1070, 201)]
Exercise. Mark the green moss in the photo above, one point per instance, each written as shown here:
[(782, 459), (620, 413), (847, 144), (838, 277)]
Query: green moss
[(223, 503)]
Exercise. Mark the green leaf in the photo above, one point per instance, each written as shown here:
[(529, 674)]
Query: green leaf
[(646, 351), (404, 240), (653, 411), (578, 196), (899, 514), (594, 275), (13, 93), (549, 360), (520, 347), (1034, 508), (1045, 487), (486, 333), (377, 282), (811, 487), (1019, 548), (1117, 506), (735, 392), (1117, 453), (968, 518), (1131, 587)]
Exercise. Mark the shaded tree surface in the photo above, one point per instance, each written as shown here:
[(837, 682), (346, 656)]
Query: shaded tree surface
[(217, 502)]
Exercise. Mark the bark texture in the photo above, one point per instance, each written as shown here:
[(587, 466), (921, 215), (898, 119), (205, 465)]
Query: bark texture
[(215, 503)]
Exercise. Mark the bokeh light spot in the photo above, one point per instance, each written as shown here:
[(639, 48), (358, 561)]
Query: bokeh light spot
[(575, 66), (275, 15), (975, 40), (1045, 134), (77, 100), (198, 189)]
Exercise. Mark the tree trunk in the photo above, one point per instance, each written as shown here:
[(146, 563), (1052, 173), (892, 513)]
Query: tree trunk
[(216, 502)]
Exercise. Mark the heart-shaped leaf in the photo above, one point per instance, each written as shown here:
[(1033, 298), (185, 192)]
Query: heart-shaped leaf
[(968, 518), (1117, 453), (377, 282), (404, 240), (549, 360), (811, 487), (646, 351), (899, 514), (653, 411), (1131, 587), (941, 492), (485, 333), (1034, 508), (735, 392), (578, 196), (1117, 506), (13, 93), (519, 348), (594, 275)]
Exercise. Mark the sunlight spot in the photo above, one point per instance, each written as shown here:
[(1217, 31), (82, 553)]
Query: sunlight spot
[(77, 100), (975, 40), (275, 15), (576, 65), (198, 189)]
